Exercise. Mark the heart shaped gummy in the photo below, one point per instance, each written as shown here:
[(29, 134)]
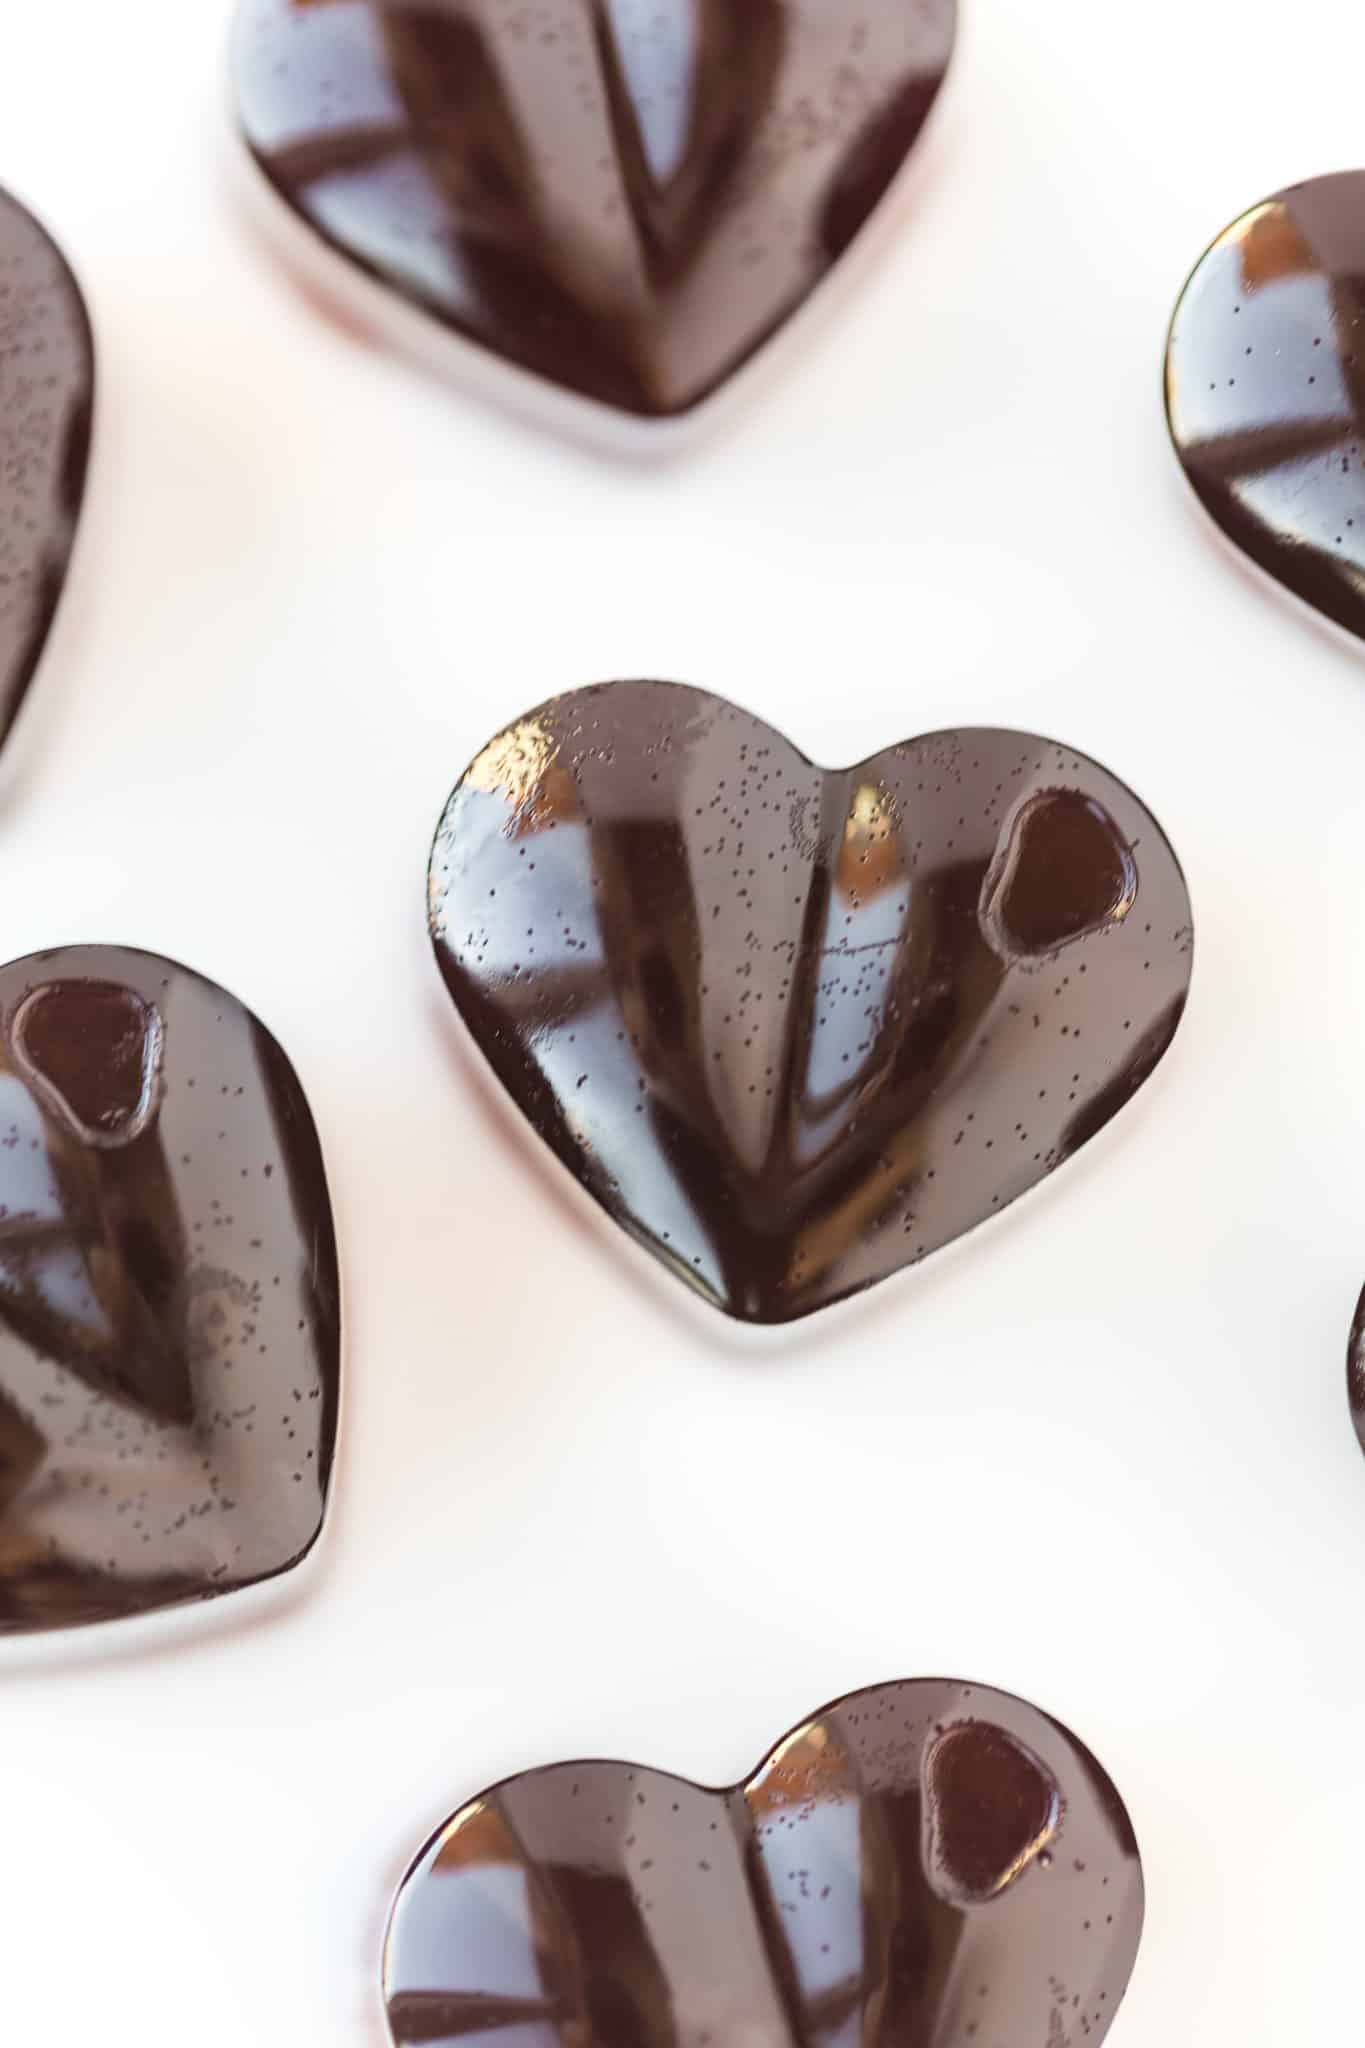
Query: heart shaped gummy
[(169, 1335), (792, 1028), (921, 1864), (1265, 389), (47, 386), (627, 197)]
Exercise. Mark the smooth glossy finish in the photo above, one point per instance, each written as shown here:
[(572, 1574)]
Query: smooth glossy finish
[(1265, 389), (625, 196), (923, 1865), (47, 389), (169, 1340), (795, 1029)]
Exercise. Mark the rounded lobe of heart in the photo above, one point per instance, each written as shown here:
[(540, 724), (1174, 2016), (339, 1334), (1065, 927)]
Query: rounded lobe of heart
[(1265, 389), (47, 389), (795, 1029), (627, 201), (920, 1863)]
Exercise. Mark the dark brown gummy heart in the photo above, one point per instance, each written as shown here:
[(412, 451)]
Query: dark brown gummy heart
[(918, 1866), (795, 1029), (1265, 389), (169, 1337), (47, 386), (1355, 1371), (625, 196)]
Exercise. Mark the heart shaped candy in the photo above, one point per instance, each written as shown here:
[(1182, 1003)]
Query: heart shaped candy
[(920, 1865), (794, 1028), (169, 1339), (47, 386), (627, 197), (1265, 389)]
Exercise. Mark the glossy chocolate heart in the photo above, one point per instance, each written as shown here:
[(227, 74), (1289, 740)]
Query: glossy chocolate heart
[(169, 1339), (47, 387), (920, 1865), (1265, 389), (626, 196), (792, 1028)]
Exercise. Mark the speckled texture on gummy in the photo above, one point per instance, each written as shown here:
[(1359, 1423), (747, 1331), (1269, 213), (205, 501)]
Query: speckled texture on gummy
[(47, 382), (169, 1331), (626, 197), (1265, 389), (795, 1029), (922, 1865)]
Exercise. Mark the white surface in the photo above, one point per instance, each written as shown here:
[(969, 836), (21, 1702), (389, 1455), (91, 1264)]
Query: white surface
[(1100, 1453)]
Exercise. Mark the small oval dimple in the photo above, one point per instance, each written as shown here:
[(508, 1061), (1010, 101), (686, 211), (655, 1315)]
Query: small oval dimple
[(94, 1048), (990, 1808), (1061, 871)]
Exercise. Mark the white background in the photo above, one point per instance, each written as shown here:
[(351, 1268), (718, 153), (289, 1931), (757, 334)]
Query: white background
[(1098, 1453)]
